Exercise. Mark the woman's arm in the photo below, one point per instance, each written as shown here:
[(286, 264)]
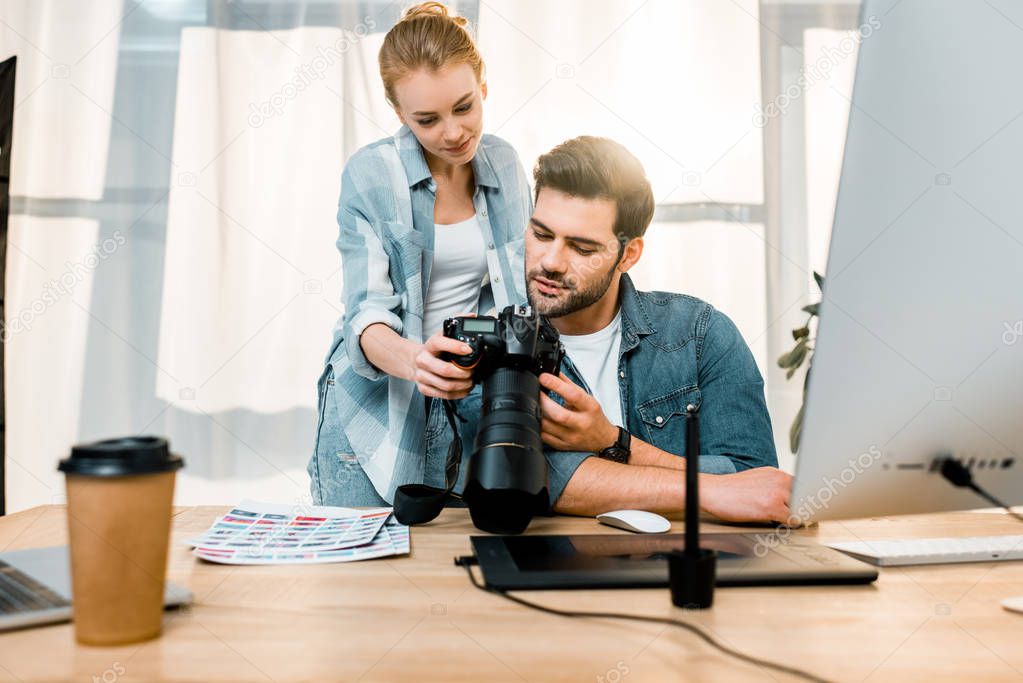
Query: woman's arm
[(373, 325), (367, 293), (388, 351), (420, 363)]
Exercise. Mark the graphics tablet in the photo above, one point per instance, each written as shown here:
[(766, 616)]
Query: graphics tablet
[(544, 562)]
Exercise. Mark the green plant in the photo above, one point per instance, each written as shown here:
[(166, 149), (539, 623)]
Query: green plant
[(801, 353)]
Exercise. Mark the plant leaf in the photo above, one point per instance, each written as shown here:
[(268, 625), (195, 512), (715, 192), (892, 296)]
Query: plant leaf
[(800, 333), (799, 354), (796, 430), (812, 309), (799, 362), (819, 279), (794, 357)]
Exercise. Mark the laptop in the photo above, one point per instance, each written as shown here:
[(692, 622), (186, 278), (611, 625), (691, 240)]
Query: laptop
[(35, 588)]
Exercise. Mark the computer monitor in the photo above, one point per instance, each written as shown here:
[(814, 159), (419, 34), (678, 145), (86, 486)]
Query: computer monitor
[(919, 351)]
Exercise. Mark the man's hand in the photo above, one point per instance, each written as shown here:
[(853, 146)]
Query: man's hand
[(440, 378), (579, 425), (757, 495)]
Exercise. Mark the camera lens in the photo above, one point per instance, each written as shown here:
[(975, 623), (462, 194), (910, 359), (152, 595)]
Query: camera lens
[(507, 477)]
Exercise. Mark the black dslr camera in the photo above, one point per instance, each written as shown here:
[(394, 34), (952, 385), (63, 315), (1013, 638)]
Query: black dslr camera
[(506, 481)]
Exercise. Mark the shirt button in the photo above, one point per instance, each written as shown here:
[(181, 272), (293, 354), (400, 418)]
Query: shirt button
[(622, 374), (490, 246), (483, 213), (658, 419), (497, 279)]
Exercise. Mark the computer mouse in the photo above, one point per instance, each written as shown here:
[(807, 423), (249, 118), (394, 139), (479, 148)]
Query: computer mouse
[(1013, 604), (640, 521)]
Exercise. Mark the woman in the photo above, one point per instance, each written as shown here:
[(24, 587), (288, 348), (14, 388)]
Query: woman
[(431, 225)]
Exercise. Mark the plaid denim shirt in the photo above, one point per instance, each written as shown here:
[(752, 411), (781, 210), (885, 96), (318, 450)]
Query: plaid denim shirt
[(386, 241)]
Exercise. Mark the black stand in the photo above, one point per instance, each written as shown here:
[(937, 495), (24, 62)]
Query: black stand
[(692, 572), (7, 69)]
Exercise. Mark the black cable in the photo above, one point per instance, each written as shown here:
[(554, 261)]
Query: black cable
[(959, 475), (468, 561)]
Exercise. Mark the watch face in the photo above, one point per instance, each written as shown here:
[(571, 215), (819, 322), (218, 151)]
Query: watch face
[(615, 454)]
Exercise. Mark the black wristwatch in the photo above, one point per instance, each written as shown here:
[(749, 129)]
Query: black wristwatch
[(619, 451)]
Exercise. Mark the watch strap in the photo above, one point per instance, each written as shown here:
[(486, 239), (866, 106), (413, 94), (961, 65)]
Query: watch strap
[(621, 449)]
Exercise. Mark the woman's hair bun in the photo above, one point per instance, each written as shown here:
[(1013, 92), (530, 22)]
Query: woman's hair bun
[(434, 9)]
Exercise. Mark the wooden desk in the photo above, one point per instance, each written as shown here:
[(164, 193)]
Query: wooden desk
[(418, 619)]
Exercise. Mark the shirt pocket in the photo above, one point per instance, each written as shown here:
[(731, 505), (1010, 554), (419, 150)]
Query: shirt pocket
[(663, 418)]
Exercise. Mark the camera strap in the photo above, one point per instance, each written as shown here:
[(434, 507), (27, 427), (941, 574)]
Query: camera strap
[(419, 503)]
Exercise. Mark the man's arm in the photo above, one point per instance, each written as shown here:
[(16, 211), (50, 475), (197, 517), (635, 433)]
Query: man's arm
[(648, 455), (601, 485), (580, 425), (733, 415), (585, 485), (596, 486)]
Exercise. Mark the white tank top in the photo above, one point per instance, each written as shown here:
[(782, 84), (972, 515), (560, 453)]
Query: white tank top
[(459, 265)]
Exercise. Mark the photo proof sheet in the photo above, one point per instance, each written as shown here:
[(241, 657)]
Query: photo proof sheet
[(279, 533)]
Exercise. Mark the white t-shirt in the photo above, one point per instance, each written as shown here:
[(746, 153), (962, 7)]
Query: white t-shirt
[(596, 357), (459, 265)]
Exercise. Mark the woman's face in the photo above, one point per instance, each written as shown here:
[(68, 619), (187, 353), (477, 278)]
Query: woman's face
[(444, 109)]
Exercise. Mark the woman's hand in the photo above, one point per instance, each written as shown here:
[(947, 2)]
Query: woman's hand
[(439, 378)]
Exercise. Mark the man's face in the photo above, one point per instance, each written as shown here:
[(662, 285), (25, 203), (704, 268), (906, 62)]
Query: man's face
[(571, 252)]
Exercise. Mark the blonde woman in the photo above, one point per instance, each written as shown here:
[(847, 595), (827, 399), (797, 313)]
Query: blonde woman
[(431, 226)]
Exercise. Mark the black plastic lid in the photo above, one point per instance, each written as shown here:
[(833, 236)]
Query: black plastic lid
[(121, 457)]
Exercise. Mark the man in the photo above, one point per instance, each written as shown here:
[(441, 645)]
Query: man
[(635, 360)]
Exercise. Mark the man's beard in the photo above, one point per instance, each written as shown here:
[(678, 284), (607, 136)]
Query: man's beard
[(575, 299)]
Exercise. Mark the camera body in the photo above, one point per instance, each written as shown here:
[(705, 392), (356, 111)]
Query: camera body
[(506, 482), (518, 338)]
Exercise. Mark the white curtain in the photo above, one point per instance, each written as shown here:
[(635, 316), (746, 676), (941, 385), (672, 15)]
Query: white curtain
[(171, 263), (816, 83), (677, 83), (827, 117), (251, 277), (61, 146), (177, 161), (808, 76)]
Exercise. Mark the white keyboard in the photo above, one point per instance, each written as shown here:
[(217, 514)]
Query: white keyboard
[(906, 551)]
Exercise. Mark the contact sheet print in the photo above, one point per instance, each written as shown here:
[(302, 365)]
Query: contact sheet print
[(273, 533)]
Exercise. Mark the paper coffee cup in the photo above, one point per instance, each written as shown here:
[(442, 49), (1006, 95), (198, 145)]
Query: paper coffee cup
[(119, 495)]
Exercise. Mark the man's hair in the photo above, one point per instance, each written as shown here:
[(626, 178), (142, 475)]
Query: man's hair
[(598, 168)]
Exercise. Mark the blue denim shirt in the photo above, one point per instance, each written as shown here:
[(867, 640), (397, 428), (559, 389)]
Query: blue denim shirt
[(675, 350)]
